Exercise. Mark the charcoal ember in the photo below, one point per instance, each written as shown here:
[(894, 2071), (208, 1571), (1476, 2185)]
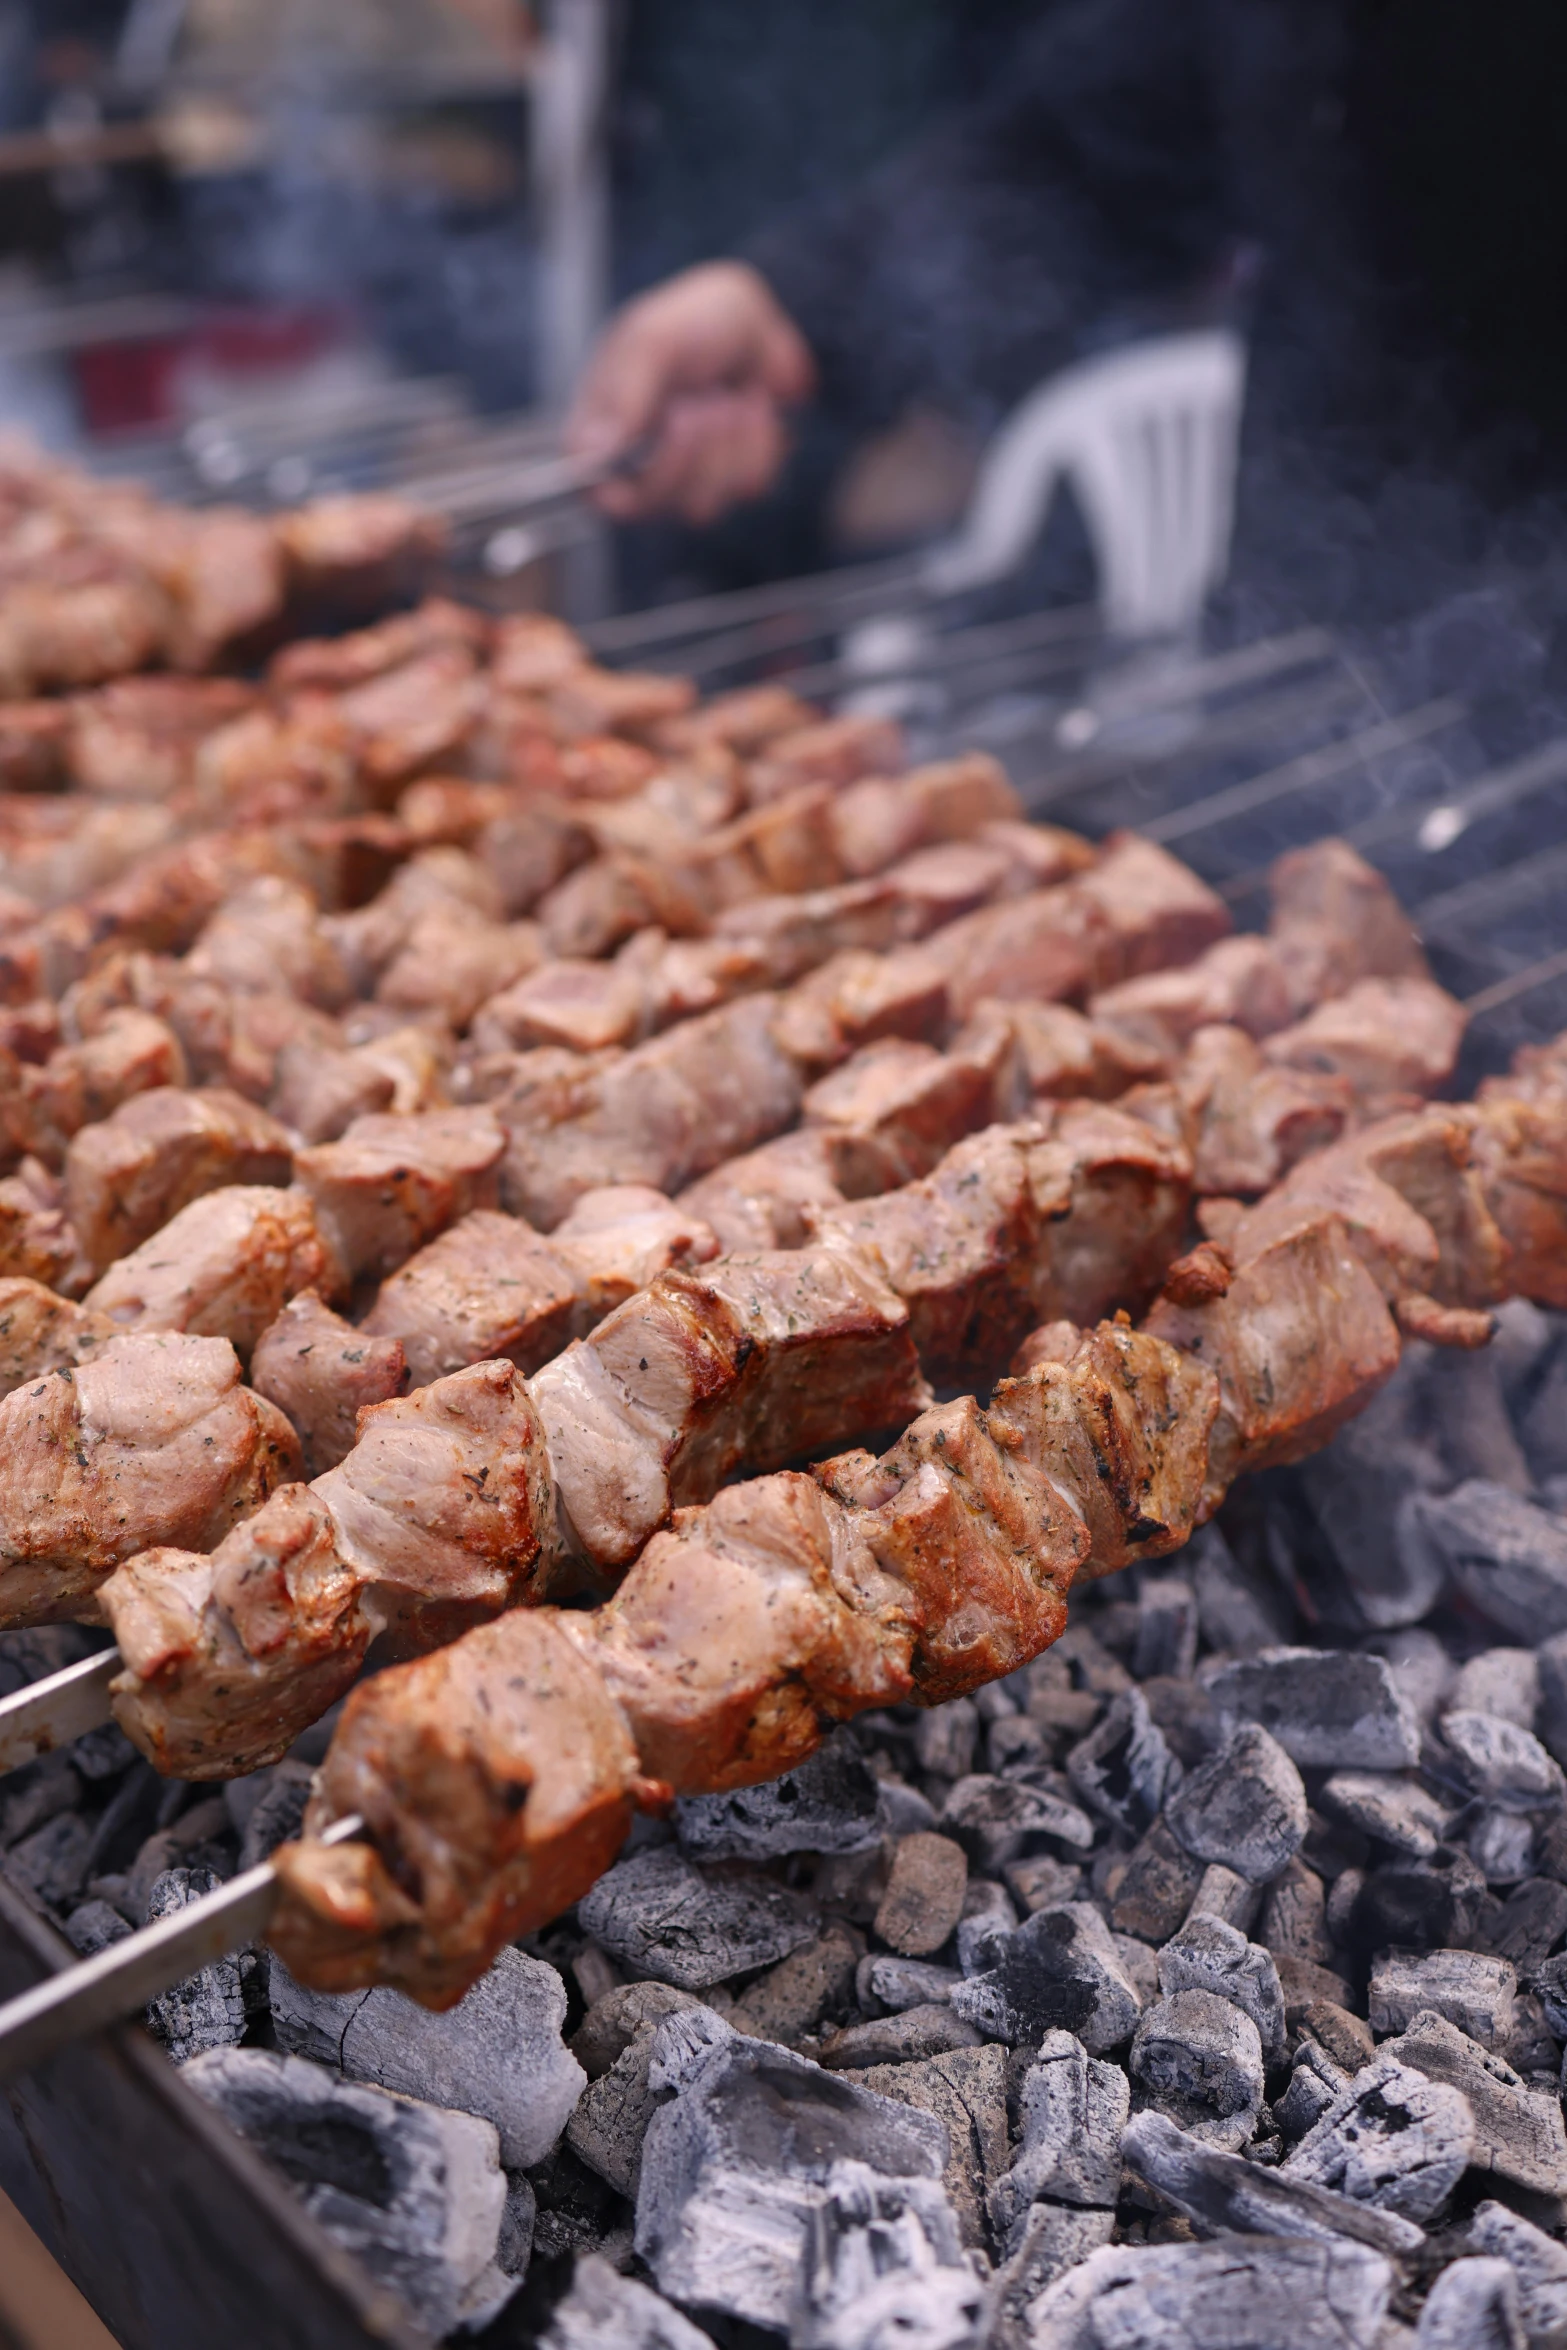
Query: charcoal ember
[(1059, 1971), (52, 1861), (989, 1916), (1246, 2292), (1208, 1955), (995, 1820), (497, 2053), (1017, 1746), (1123, 1768), (211, 2008), (1294, 1915), (1361, 1492), (1141, 1966), (1088, 1658), (908, 2036), (883, 1981), (661, 1917), (1472, 1989), (1531, 2047), (277, 1815), (613, 2022), (514, 2238), (1226, 2193), (1240, 1608), (924, 1897), (1197, 2058), (827, 1804), (1500, 1681), (1531, 1922), (1157, 1887), (1246, 1807), (93, 1927), (1419, 1663), (1502, 1764), (1166, 1628), (102, 1754), (182, 1846), (603, 2308), (609, 2123), (883, 2263), (965, 2090), (1394, 2139), (1542, 1422), (741, 2154), (1311, 2092), (1507, 1556), (416, 2193), (904, 1810), (31, 1656), (1186, 1716), (1431, 1904), (575, 2210), (40, 1791), (1502, 1845), (1550, 1720), (791, 1998), (1042, 1883), (1395, 1809), (1538, 2263), (1072, 2109), (1334, 1709), (1222, 1894), (1472, 2306), (1518, 2132), (946, 1737), (1466, 1410), (1052, 2238)]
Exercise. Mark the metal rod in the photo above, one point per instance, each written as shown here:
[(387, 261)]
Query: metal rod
[(48, 1714), (1312, 767), (119, 1980), (1506, 991)]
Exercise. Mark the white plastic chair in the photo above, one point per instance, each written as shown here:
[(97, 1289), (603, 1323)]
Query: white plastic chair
[(1148, 438)]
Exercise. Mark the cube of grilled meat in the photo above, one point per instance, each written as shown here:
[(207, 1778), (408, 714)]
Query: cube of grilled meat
[(681, 801), (138, 738), (763, 1199), (958, 1247), (755, 1360), (429, 1525), (532, 651), (225, 573), (857, 998), (588, 700), (228, 1037), (1112, 1194), (84, 617), (33, 742), (746, 720), (40, 1332), (595, 909), (1239, 982), (526, 850), (1519, 1143), (1412, 1202), (370, 937), (223, 1267), (452, 961), (37, 1238), (65, 848), (660, 1114), (595, 768), (1334, 921), (539, 1779), (132, 1053), (907, 1103), (267, 937), (151, 1440), (1301, 1340), (1040, 947), (1155, 909), (270, 765), (320, 1371), (411, 719), (392, 1183), (129, 1173), (619, 1238), (487, 1288), (579, 1005), (1067, 1057), (1385, 1037), (320, 1091), (334, 664), (1252, 1121), (357, 553), (31, 1031), (795, 933), (885, 817), (835, 751)]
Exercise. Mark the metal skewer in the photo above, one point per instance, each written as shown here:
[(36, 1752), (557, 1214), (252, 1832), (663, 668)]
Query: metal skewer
[(118, 1981), (50, 1713)]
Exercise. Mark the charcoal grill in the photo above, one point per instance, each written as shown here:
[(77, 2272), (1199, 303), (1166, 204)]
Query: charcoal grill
[(172, 2228)]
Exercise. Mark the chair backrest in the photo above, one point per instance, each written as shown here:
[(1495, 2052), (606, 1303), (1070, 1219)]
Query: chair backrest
[(1148, 438)]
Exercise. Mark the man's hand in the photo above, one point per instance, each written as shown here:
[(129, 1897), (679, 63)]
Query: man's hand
[(702, 369)]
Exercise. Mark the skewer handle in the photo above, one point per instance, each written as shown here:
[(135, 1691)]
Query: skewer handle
[(120, 1980), (50, 1713)]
